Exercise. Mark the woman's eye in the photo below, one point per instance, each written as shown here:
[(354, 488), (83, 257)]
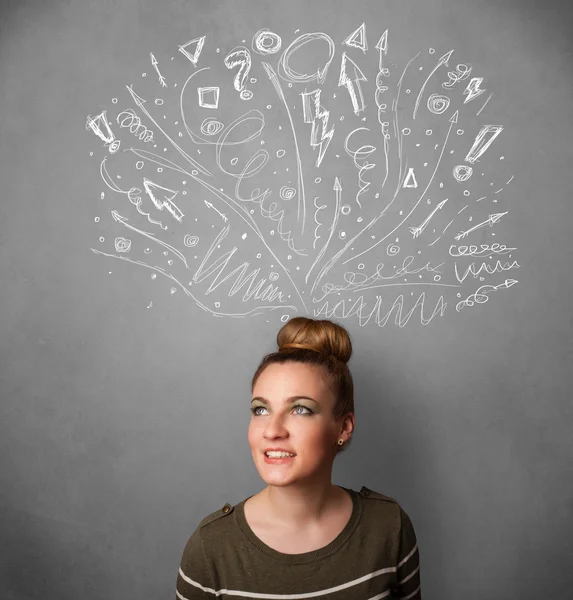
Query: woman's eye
[(254, 410)]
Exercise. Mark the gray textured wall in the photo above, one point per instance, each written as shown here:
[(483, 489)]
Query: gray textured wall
[(124, 371)]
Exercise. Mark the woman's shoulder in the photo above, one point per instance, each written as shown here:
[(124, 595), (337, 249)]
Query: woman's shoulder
[(226, 510), (368, 493)]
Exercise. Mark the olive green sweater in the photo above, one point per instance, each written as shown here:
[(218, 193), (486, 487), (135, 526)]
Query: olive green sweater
[(374, 556)]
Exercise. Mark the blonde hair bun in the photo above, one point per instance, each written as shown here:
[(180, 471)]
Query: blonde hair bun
[(318, 335)]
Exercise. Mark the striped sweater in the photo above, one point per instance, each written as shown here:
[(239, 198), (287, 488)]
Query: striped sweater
[(374, 556)]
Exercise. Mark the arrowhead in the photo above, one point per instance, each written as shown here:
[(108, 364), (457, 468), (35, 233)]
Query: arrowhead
[(153, 59), (442, 203), (357, 39), (116, 216), (358, 74), (496, 217), (208, 204), (454, 118), (510, 282), (138, 99), (337, 185), (444, 60), (382, 44)]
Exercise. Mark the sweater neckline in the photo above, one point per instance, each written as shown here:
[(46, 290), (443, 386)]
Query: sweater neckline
[(304, 557)]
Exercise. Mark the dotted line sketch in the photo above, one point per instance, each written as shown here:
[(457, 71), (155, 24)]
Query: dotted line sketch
[(209, 165)]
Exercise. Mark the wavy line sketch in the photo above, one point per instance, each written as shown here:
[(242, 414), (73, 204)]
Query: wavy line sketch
[(376, 313), (133, 194), (233, 181), (338, 191), (481, 294), (361, 153), (117, 217), (498, 267), (128, 118)]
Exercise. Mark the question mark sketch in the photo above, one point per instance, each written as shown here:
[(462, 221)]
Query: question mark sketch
[(240, 56)]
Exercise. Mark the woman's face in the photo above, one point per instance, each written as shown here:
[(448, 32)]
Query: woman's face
[(293, 409)]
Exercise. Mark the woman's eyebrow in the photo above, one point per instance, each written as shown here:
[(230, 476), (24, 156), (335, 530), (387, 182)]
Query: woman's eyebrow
[(287, 401)]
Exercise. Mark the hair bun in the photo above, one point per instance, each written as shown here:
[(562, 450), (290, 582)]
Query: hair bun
[(317, 335)]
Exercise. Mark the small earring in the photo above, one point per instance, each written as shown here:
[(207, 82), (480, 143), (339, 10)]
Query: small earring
[(340, 441)]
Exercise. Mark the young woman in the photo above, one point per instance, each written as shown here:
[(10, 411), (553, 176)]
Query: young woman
[(302, 536)]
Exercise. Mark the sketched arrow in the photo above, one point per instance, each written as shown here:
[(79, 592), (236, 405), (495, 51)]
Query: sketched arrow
[(336, 257), (416, 231), (338, 193), (140, 102), (443, 61), (117, 217), (166, 201), (491, 221), (352, 84), (382, 47), (155, 63), (210, 205)]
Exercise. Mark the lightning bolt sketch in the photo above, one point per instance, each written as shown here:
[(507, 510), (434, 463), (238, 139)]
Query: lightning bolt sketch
[(316, 114)]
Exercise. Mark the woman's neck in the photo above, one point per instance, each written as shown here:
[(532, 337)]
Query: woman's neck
[(298, 507)]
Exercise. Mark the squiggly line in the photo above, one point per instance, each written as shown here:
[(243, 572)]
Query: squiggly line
[(131, 120), (254, 311), (132, 193), (485, 250), (338, 189), (260, 198), (364, 151), (358, 307), (318, 207), (360, 281), (481, 294), (117, 217), (139, 101), (230, 202), (335, 258)]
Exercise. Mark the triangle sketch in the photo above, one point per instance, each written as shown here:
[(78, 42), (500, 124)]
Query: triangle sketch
[(410, 181), (357, 39), (189, 52)]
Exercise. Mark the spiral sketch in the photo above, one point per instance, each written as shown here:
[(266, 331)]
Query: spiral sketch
[(309, 175)]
